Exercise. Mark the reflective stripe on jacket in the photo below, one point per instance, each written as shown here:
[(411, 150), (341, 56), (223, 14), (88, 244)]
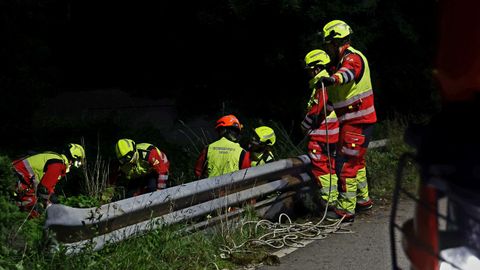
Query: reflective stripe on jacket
[(328, 126), (353, 101), (144, 164)]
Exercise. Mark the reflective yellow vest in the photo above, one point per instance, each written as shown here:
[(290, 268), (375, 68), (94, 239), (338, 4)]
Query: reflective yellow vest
[(313, 100), (328, 126), (353, 101), (38, 163), (223, 156), (341, 93), (141, 167)]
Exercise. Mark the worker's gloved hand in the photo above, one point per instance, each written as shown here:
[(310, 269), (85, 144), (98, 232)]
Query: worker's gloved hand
[(327, 81)]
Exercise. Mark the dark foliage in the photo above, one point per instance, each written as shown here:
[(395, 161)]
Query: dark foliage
[(203, 54)]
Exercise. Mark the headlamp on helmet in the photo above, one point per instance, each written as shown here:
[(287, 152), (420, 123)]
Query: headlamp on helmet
[(126, 151), (76, 153)]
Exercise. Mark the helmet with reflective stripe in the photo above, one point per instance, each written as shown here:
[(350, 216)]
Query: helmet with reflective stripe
[(126, 151), (316, 58), (229, 121), (264, 135), (336, 29), (76, 153)]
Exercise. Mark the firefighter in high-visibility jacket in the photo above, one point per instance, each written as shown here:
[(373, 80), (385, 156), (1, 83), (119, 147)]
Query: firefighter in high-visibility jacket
[(321, 125), (143, 167), (225, 155), (350, 91), (261, 144), (38, 175)]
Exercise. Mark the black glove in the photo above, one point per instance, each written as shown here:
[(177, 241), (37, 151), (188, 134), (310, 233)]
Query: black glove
[(327, 81)]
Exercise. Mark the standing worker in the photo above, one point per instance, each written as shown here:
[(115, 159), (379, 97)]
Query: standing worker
[(38, 175), (350, 91), (143, 167), (224, 155), (261, 144), (321, 125)]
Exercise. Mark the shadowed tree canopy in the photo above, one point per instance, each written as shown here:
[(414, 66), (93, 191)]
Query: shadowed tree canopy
[(245, 55)]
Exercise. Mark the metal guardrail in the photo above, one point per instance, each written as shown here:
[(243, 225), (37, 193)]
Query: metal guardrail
[(378, 143), (77, 228)]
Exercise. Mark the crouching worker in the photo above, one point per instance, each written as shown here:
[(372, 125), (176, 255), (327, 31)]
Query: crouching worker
[(143, 167), (39, 174), (261, 145), (224, 155)]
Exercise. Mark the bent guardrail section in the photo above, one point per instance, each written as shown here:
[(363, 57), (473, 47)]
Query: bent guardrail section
[(113, 222), (198, 210)]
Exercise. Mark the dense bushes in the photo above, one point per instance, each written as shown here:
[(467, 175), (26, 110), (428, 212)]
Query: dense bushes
[(18, 234)]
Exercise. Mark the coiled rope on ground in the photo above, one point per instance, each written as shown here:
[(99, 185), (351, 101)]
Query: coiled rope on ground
[(285, 234)]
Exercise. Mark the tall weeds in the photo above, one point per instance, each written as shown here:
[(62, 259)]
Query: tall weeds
[(95, 180)]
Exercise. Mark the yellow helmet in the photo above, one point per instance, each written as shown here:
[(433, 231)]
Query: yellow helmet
[(76, 153), (264, 135), (316, 58), (336, 29), (126, 151)]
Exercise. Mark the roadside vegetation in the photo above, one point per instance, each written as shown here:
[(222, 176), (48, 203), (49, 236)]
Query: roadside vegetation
[(25, 246), (382, 162)]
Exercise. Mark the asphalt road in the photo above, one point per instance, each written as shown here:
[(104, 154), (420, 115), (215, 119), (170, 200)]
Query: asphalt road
[(368, 247)]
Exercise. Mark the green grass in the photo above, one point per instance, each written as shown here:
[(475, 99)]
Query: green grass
[(166, 248), (161, 249)]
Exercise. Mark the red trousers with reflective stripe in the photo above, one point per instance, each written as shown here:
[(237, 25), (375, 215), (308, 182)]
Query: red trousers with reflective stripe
[(22, 171), (319, 158), (26, 198), (351, 150), (26, 195)]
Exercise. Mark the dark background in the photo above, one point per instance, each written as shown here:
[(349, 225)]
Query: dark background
[(205, 55)]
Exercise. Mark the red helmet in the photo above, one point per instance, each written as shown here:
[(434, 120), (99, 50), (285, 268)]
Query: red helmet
[(228, 121)]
